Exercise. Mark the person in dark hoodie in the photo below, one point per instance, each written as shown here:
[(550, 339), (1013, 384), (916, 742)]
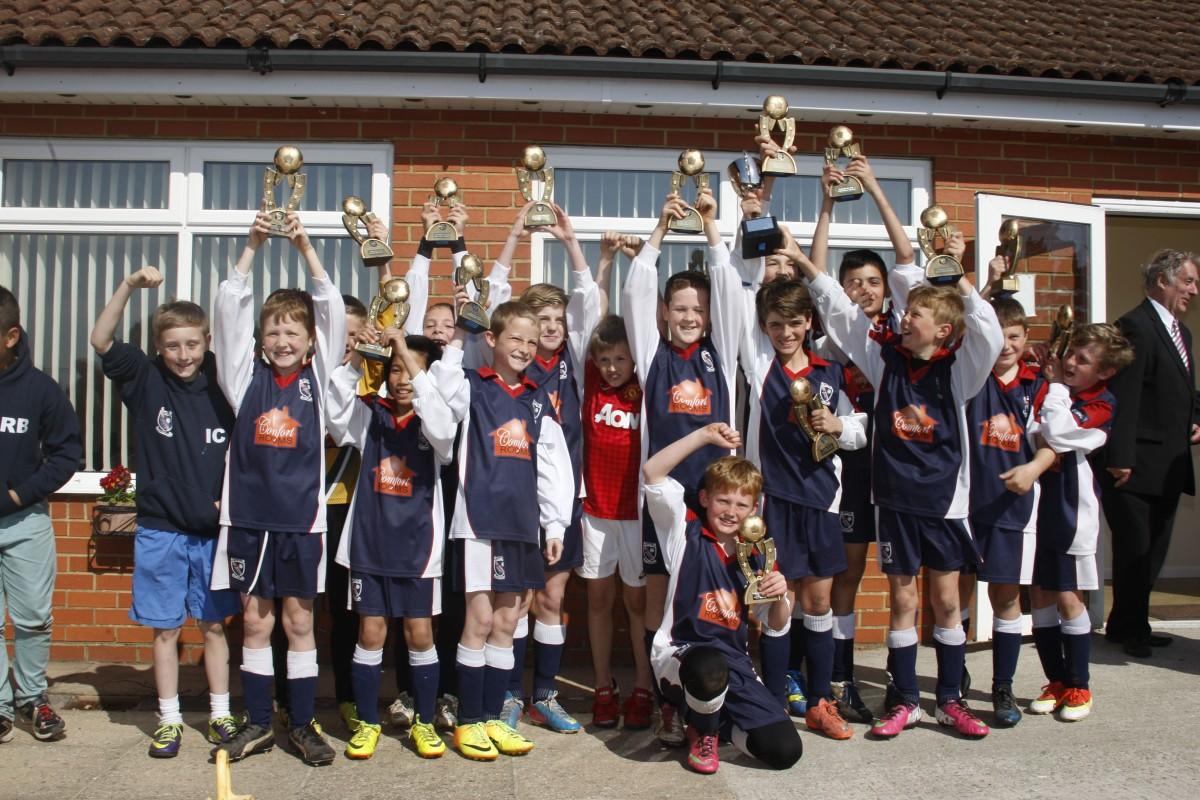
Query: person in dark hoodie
[(39, 437), (182, 421)]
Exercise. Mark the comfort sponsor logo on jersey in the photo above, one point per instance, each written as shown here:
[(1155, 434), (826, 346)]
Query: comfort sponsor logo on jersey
[(511, 440), (690, 397), (393, 477), (1002, 431), (913, 424), (721, 607), (276, 428), (616, 418)]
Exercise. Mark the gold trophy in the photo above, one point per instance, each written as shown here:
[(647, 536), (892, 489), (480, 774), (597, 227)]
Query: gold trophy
[(374, 252), (533, 167), (774, 117), (443, 233), (1010, 248), (388, 309), (1060, 333), (287, 163), (473, 315), (752, 536), (691, 165), (804, 404), (940, 269), (841, 143)]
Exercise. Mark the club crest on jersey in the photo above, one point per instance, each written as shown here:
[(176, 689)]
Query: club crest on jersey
[(721, 607), (276, 428), (1003, 432), (885, 552), (562, 370), (631, 393), (536, 405), (237, 568), (164, 425), (498, 573), (690, 397), (511, 440), (393, 477), (356, 587), (847, 520), (649, 552), (913, 424), (707, 359), (304, 386), (826, 394)]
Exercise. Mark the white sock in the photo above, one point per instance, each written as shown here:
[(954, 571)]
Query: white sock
[(168, 711), (218, 705)]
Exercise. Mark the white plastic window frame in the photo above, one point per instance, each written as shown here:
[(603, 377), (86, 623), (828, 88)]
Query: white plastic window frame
[(918, 172), (185, 215)]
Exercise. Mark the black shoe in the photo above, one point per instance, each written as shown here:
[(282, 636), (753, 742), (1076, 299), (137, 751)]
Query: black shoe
[(964, 686), (250, 740), (1160, 640), (311, 745), (851, 706), (1005, 713), (1138, 648), (6, 730), (891, 698), (45, 723)]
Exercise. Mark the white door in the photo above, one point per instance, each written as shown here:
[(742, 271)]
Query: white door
[(1061, 261)]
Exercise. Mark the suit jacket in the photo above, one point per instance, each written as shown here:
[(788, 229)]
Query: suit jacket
[(1156, 407)]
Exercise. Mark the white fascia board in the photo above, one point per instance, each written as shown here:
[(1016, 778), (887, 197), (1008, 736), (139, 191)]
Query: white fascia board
[(649, 96)]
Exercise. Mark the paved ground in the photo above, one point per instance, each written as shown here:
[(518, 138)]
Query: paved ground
[(1140, 742)]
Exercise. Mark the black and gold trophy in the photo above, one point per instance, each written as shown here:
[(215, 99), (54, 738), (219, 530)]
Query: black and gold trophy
[(374, 252), (842, 144), (1061, 331), (752, 537), (691, 167), (774, 117), (1010, 248), (473, 315), (760, 234), (443, 233), (804, 404), (533, 167), (286, 166), (941, 269)]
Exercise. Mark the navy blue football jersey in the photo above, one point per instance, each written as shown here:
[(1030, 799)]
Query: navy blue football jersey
[(998, 423), (557, 378)]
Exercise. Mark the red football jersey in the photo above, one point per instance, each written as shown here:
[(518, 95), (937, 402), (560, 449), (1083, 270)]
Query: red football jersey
[(612, 446)]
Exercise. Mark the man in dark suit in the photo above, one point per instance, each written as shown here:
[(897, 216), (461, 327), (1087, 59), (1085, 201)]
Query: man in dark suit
[(1147, 463)]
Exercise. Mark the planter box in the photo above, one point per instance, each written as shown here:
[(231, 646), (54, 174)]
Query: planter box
[(114, 520)]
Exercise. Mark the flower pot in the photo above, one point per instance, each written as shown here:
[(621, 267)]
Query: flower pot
[(114, 520)]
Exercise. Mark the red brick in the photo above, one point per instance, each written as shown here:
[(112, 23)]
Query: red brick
[(143, 128)]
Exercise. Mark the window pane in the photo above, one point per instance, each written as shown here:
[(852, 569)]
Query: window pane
[(46, 183), (235, 186), (278, 265), (674, 257), (618, 193), (62, 281), (799, 199)]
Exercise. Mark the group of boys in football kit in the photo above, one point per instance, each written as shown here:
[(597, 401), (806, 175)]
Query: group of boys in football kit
[(449, 490)]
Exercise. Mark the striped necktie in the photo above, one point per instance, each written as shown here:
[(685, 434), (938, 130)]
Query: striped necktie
[(1177, 337)]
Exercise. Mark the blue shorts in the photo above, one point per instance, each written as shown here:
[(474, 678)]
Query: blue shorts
[(270, 564), (495, 565), (808, 541), (172, 573), (1006, 554), (1056, 571), (748, 703), (572, 554), (908, 542), (857, 524), (395, 598)]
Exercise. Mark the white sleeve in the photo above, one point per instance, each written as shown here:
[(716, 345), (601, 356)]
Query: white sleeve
[(499, 289), (555, 480), (437, 421), (847, 327), (726, 304), (347, 417), (418, 295), (583, 314), (1059, 427), (902, 278), (451, 382), (980, 347), (665, 503), (854, 424), (639, 304), (233, 336), (330, 312)]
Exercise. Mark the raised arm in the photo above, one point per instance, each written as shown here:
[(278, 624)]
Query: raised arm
[(233, 323), (982, 343), (859, 167), (451, 382), (639, 296), (659, 466), (346, 416), (104, 331), (329, 310), (726, 298)]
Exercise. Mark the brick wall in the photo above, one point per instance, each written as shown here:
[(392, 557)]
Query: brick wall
[(479, 150)]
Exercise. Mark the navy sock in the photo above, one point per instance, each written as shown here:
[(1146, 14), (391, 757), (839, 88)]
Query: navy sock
[(257, 691), (366, 679), (495, 684), (902, 660), (843, 660), (703, 723), (950, 659), (1077, 650), (1006, 649), (425, 688), (819, 651), (470, 685), (546, 660), (302, 700), (797, 645), (773, 653), (1048, 642), (516, 680)]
